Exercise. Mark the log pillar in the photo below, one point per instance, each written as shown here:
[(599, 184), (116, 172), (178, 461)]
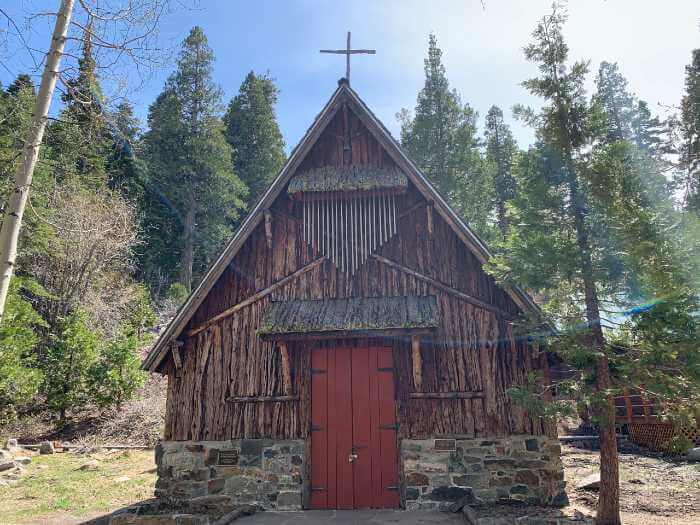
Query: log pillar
[(177, 358), (417, 364), (286, 369), (268, 228)]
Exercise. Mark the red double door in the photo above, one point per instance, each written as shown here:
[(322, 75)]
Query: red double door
[(353, 423)]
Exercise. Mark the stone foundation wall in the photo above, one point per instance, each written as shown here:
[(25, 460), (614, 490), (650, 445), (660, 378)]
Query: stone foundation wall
[(256, 471), (523, 468)]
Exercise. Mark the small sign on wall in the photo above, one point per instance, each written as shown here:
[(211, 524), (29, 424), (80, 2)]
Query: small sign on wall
[(228, 457), (445, 444)]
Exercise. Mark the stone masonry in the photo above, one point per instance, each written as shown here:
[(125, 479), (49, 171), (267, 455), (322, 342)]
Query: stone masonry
[(523, 468), (263, 472)]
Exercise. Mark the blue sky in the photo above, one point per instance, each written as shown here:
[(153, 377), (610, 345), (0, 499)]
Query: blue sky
[(482, 48)]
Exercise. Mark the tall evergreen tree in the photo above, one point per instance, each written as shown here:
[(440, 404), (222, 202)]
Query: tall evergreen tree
[(562, 126), (253, 132), (122, 164), (593, 227), (615, 101), (501, 151), (190, 162), (441, 136), (79, 141), (690, 121)]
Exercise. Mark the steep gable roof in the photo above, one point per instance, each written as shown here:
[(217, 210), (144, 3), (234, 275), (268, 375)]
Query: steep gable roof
[(343, 94)]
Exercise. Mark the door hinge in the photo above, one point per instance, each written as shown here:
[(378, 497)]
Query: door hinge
[(318, 489), (387, 369), (395, 488), (394, 426), (318, 370)]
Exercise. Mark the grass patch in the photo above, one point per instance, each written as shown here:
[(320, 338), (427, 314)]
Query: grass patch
[(53, 484)]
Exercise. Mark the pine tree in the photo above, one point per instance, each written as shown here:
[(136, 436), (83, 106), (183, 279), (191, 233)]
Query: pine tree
[(501, 151), (79, 140), (615, 101), (690, 119), (594, 230), (253, 132), (562, 126), (123, 167), (189, 163), (441, 137)]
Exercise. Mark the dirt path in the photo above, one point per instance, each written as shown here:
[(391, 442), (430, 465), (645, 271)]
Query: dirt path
[(56, 491), (652, 490)]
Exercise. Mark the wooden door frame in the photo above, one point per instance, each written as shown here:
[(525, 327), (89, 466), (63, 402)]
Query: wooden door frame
[(352, 342)]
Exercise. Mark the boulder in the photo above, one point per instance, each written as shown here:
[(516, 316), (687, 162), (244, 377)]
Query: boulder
[(591, 482), (91, 465), (243, 510), (23, 460), (694, 454), (46, 447), (470, 516)]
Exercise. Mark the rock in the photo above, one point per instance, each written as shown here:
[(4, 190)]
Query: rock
[(23, 460), (161, 519), (46, 447), (636, 481), (461, 502), (694, 454), (470, 516), (209, 504), (244, 510), (90, 465), (7, 466), (560, 500), (5, 456), (591, 482)]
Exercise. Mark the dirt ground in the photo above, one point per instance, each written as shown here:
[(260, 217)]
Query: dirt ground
[(54, 490), (653, 490)]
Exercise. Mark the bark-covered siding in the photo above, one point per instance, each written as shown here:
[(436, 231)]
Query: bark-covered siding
[(473, 349)]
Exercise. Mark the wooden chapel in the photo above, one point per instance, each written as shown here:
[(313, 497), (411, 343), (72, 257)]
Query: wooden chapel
[(348, 350)]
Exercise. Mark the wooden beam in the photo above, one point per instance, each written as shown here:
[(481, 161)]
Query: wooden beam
[(628, 404), (268, 229), (446, 395), (175, 349), (347, 334), (417, 363), (413, 209), (429, 211), (445, 288), (261, 399), (257, 296), (286, 369)]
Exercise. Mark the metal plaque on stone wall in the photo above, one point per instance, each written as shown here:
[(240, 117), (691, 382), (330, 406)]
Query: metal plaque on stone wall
[(228, 457), (445, 444)]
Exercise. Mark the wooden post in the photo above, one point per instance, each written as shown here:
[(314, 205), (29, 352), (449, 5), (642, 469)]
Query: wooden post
[(628, 404), (429, 210), (177, 359), (417, 365), (268, 228), (286, 371)]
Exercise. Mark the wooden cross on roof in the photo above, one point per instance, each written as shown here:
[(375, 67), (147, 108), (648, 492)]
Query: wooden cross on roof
[(347, 52)]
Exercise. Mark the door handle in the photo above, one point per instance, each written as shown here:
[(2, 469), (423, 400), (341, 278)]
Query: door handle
[(352, 457)]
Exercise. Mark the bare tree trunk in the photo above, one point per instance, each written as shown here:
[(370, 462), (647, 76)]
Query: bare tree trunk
[(188, 245), (608, 512), (12, 222)]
